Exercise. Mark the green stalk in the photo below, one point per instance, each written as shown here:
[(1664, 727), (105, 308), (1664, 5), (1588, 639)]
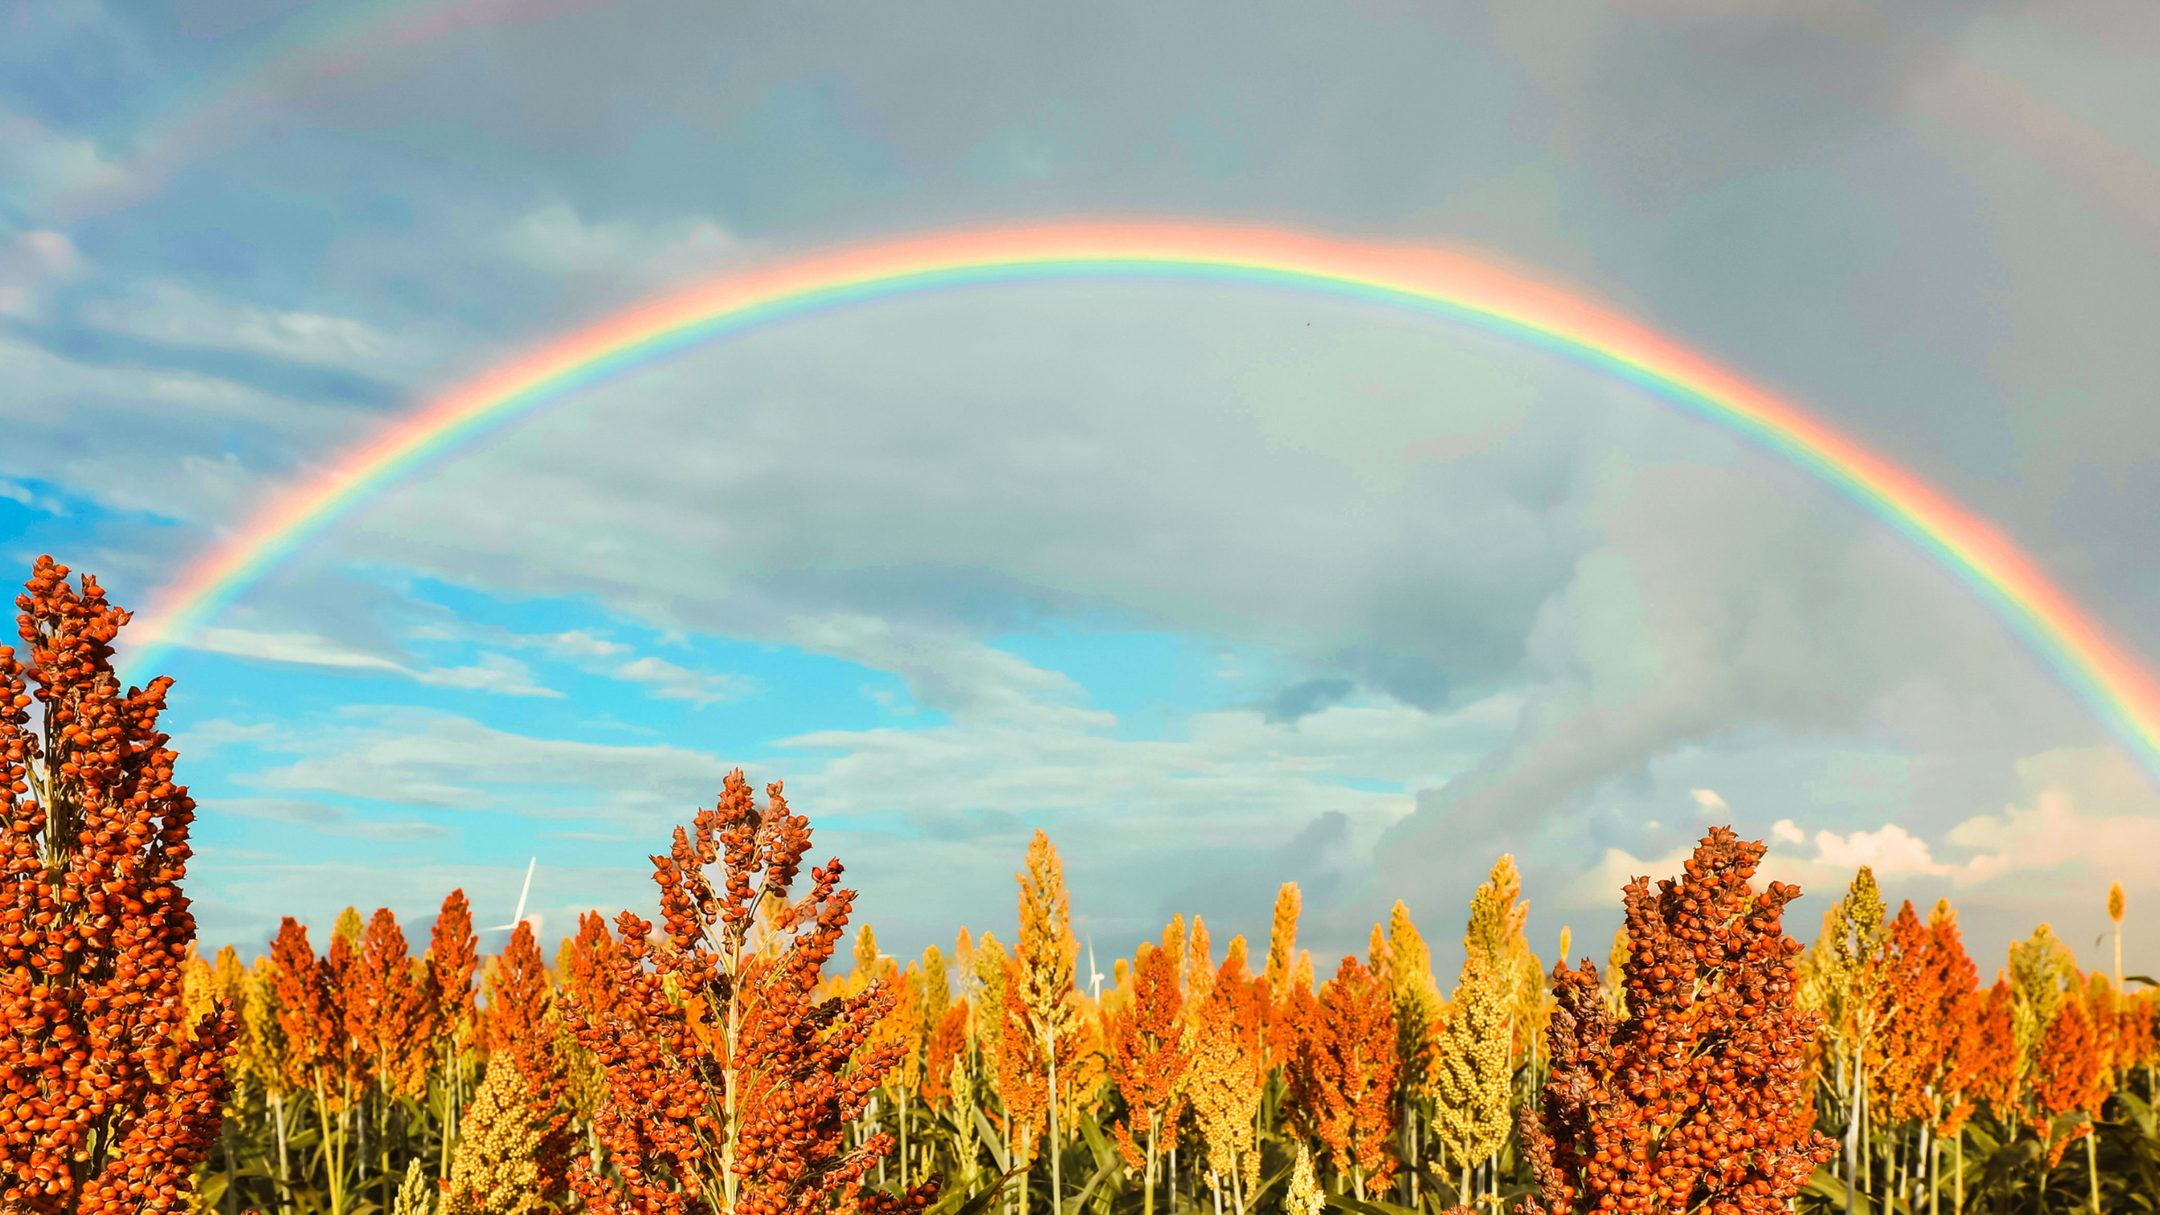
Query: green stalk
[(2092, 1159)]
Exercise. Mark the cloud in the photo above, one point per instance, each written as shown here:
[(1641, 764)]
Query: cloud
[(597, 655), (171, 314), (326, 819), (494, 673), (1231, 798), (1890, 852), (950, 673), (40, 164), (1217, 818), (2086, 814), (1299, 700), (671, 682), (44, 503), (207, 738), (1685, 624), (575, 644), (2086, 810), (1893, 853), (556, 239), (1602, 885), (426, 758), (1321, 858), (304, 648), (1711, 805), (30, 264), (957, 467), (497, 673)]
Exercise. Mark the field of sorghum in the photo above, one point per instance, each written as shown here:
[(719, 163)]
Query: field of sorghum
[(715, 1061)]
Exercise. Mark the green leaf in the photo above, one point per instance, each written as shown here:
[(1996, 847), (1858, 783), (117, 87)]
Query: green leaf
[(2140, 1112), (1826, 1184), (1098, 1143), (974, 1204), (1071, 1206), (1268, 1183), (991, 1139)]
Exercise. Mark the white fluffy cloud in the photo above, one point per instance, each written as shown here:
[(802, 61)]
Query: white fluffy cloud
[(2087, 811), (1890, 852), (2085, 817)]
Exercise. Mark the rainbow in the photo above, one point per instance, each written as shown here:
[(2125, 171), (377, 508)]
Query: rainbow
[(316, 44), (1455, 286)]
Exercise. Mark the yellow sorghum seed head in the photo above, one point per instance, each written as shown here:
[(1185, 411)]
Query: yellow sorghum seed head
[(1305, 1197), (495, 1170)]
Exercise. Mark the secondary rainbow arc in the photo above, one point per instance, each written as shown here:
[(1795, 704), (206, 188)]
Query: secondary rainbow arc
[(1453, 285)]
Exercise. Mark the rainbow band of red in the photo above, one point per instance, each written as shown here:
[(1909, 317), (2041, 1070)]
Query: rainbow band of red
[(1446, 284)]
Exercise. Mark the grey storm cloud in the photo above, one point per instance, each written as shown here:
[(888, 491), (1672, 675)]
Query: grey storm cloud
[(1318, 858), (1301, 699)]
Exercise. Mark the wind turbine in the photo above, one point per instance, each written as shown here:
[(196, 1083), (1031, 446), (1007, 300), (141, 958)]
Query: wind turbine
[(519, 918), (1095, 977)]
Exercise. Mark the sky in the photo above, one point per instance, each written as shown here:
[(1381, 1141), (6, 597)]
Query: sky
[(1220, 588)]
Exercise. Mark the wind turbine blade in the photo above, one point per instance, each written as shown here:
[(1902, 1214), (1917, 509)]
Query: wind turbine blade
[(519, 918)]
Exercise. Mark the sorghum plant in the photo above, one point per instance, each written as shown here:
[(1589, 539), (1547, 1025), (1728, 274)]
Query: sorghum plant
[(1148, 1060), (318, 1049), (730, 1086), (1419, 1009), (386, 1009), (1419, 1014), (1023, 1084), (1046, 955), (586, 965), (107, 1100), (1497, 916), (1229, 1073), (453, 1025), (1342, 1083), (1909, 1027), (501, 1154), (1282, 936), (1698, 1098), (1837, 979), (520, 1031), (943, 1055), (2069, 1076), (1992, 1070), (1470, 1068), (1305, 1196)]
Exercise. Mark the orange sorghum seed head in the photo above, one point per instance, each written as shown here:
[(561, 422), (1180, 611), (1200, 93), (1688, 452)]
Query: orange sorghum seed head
[(670, 1021), (94, 932), (1698, 1098)]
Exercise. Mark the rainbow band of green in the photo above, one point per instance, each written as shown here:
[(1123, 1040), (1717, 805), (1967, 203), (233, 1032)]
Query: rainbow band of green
[(1450, 285)]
